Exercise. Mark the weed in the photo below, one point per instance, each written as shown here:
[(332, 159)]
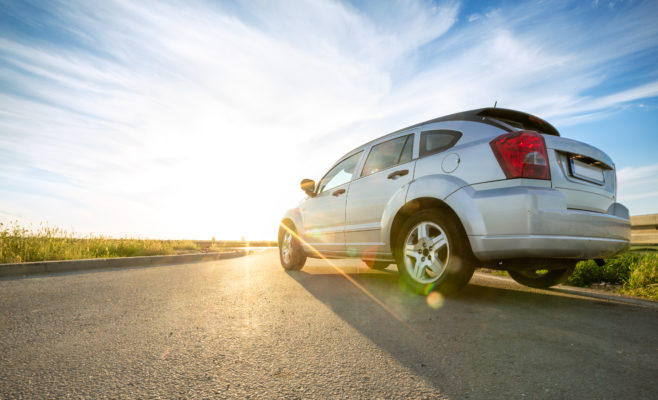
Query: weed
[(643, 278), (19, 244), (637, 272)]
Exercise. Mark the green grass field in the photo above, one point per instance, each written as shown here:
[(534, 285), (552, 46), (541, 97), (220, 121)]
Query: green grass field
[(19, 244)]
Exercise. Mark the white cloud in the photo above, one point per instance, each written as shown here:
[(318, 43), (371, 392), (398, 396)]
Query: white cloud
[(199, 120), (637, 175), (193, 122), (637, 188)]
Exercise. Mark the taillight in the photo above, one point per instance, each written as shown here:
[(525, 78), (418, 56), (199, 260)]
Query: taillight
[(522, 154)]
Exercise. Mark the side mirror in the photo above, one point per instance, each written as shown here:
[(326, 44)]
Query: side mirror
[(308, 186)]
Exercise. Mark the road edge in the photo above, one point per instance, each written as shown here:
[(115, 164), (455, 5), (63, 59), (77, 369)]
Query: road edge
[(581, 291), (49, 267)]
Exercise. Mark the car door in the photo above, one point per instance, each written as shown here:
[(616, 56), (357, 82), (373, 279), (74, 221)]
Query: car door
[(387, 169), (324, 213)]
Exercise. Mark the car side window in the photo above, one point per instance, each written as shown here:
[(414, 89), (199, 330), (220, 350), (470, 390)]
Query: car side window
[(387, 154), (340, 174), (407, 151), (436, 141)]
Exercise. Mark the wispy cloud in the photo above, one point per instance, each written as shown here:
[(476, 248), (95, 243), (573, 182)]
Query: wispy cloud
[(637, 188), (186, 119), (197, 119)]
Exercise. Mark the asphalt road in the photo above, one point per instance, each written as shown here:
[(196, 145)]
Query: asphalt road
[(246, 328)]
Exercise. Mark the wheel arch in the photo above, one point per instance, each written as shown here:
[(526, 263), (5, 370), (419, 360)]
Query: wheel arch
[(287, 222), (420, 204), (292, 219)]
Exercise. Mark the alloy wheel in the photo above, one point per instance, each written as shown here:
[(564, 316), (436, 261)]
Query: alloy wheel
[(286, 248), (426, 252)]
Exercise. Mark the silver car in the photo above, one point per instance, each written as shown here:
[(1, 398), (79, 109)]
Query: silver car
[(491, 187)]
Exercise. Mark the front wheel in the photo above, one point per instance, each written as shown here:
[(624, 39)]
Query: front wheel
[(432, 254), (541, 279), (291, 253)]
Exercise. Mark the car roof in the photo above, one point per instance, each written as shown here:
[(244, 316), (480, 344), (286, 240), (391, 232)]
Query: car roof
[(512, 117), (499, 117)]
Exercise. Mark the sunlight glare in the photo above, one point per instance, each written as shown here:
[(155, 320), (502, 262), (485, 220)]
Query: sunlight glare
[(435, 300)]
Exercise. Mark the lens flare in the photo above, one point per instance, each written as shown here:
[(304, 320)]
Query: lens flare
[(435, 300), (346, 276)]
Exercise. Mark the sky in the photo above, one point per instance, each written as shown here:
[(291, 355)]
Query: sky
[(194, 119)]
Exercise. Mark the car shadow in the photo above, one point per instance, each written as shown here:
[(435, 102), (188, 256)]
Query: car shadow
[(493, 342)]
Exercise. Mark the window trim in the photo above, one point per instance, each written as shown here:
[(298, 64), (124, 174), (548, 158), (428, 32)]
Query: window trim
[(365, 161), (456, 135), (404, 146), (317, 188)]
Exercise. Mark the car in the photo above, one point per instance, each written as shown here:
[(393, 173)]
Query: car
[(490, 187)]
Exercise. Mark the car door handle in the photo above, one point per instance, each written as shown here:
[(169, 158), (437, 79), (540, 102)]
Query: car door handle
[(397, 174), (338, 192)]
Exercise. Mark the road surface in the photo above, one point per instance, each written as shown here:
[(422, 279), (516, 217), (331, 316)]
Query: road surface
[(245, 328)]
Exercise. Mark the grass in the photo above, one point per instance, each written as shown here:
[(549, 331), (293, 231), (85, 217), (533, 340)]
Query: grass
[(643, 278), (636, 272), (19, 244)]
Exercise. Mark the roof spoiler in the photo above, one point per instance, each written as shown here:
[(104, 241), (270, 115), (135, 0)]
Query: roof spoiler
[(528, 121)]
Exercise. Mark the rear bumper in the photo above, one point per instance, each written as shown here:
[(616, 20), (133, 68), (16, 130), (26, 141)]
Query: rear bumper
[(538, 246), (533, 222)]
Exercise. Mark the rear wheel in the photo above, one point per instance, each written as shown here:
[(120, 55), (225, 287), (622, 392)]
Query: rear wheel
[(542, 278), (432, 255), (291, 253)]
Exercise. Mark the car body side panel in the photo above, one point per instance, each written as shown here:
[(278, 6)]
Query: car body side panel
[(367, 200), (323, 219), (487, 211), (435, 186), (295, 216), (395, 203), (476, 163)]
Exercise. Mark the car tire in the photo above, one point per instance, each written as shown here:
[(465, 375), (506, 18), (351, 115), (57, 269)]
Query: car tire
[(291, 252), (378, 265), (533, 279), (432, 253)]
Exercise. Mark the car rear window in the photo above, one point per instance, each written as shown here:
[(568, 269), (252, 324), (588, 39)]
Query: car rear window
[(436, 141)]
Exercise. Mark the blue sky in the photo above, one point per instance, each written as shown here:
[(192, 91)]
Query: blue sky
[(197, 119)]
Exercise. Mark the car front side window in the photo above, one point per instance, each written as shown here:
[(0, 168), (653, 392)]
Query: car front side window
[(340, 174)]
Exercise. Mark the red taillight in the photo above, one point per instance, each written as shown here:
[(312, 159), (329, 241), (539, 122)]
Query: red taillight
[(522, 154)]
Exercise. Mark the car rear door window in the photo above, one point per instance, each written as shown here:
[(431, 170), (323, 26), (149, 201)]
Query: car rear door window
[(340, 174), (437, 141), (387, 154), (407, 150)]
